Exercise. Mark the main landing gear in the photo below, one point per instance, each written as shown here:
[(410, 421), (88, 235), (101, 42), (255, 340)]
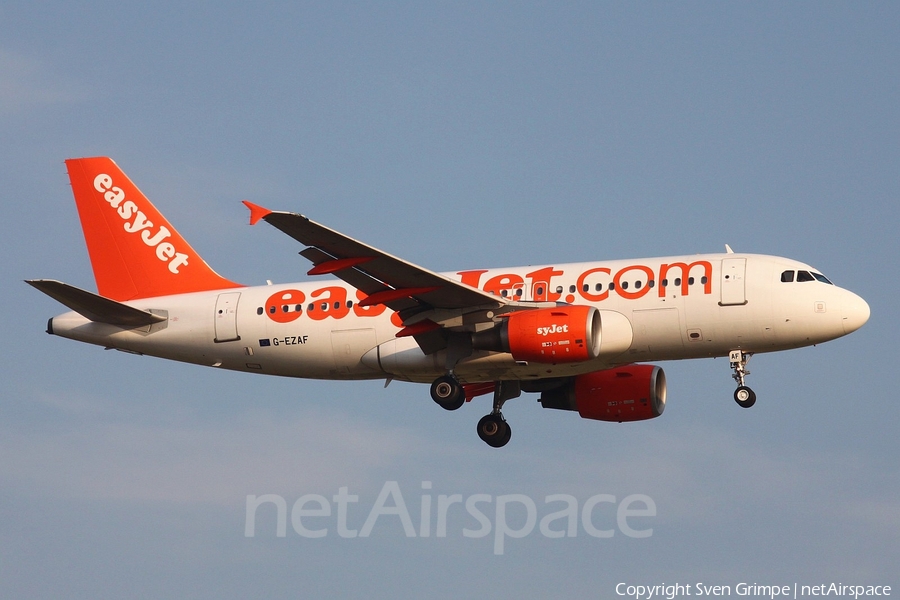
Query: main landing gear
[(448, 393), (744, 396), (493, 428)]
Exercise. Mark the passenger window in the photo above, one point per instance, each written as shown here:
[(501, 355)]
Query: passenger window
[(324, 306), (519, 292), (559, 289), (311, 307), (272, 309), (299, 307), (704, 280), (337, 305), (690, 281), (539, 291), (624, 285), (612, 285), (804, 276), (637, 285), (284, 308), (651, 283), (665, 282), (571, 289), (787, 277), (599, 287), (260, 310), (678, 281), (586, 287)]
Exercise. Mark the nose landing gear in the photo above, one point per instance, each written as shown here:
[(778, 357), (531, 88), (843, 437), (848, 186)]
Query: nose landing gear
[(743, 395)]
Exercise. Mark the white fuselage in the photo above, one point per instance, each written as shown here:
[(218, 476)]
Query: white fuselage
[(710, 304)]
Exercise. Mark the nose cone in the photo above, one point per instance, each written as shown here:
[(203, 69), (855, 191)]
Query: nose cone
[(855, 312)]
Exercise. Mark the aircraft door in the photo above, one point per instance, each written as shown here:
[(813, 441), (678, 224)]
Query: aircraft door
[(226, 317), (733, 287)]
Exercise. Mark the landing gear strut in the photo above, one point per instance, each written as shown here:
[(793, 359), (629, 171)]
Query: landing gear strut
[(446, 390), (493, 428), (744, 396)]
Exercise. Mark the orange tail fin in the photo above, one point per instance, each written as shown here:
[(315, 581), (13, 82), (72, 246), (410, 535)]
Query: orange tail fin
[(135, 252)]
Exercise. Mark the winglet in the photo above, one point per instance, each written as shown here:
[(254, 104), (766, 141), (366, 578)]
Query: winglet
[(256, 212)]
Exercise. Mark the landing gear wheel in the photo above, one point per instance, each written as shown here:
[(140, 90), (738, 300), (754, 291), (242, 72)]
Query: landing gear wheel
[(744, 396), (494, 430), (447, 392), (508, 435)]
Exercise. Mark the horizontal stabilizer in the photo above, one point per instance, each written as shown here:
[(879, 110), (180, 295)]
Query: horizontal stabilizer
[(94, 307)]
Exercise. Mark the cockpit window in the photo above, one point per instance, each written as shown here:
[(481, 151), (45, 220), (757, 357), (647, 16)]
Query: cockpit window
[(788, 277)]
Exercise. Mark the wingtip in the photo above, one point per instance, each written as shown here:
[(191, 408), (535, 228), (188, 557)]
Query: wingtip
[(256, 212)]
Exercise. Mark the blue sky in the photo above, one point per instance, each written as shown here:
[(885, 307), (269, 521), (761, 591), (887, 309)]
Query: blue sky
[(455, 135)]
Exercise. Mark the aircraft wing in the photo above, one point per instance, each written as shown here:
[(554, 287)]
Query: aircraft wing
[(385, 279)]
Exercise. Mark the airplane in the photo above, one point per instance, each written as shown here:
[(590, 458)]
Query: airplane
[(581, 335)]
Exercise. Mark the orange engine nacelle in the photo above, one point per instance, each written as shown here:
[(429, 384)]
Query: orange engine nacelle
[(632, 393), (565, 334)]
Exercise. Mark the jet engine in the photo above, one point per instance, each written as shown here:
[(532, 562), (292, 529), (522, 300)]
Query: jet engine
[(566, 334), (631, 393)]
